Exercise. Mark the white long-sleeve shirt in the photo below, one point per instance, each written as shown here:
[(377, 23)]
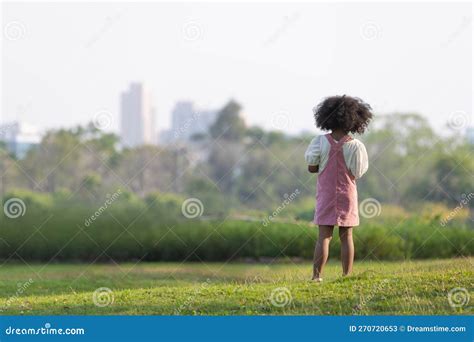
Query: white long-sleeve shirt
[(355, 155)]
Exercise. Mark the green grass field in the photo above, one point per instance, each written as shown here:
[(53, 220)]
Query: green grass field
[(411, 287)]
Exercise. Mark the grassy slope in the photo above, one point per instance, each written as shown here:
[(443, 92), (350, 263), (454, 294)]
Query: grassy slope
[(419, 287)]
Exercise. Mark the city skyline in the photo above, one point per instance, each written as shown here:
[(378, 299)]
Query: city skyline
[(201, 118), (279, 65)]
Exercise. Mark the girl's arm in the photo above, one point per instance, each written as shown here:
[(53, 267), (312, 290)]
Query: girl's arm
[(313, 154), (360, 161)]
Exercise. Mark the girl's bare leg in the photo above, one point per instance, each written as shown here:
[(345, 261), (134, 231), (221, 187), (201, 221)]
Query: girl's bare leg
[(321, 250), (347, 249)]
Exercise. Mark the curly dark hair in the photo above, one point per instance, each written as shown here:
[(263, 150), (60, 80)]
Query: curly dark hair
[(347, 113)]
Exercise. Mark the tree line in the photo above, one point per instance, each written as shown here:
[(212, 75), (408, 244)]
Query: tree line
[(236, 166)]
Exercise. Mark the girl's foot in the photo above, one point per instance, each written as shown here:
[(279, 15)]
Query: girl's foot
[(317, 279)]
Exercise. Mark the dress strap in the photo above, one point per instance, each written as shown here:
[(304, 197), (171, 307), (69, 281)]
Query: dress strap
[(331, 140), (345, 138)]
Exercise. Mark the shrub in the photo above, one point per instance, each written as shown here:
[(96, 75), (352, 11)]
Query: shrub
[(154, 229)]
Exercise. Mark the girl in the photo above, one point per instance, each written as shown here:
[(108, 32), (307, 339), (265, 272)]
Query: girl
[(340, 160)]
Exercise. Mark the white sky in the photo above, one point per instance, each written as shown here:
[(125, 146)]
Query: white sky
[(64, 62)]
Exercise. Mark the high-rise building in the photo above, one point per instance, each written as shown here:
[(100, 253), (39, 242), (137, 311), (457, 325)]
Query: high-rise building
[(137, 124), (19, 138)]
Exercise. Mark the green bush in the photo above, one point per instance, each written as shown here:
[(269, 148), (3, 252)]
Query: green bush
[(54, 228)]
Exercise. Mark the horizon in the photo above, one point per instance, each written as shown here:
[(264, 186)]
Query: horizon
[(446, 130)]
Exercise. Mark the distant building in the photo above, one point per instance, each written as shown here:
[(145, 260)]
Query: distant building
[(137, 122), (19, 138), (470, 135), (187, 121)]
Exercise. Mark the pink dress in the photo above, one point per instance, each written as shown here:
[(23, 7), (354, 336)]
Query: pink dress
[(336, 197)]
